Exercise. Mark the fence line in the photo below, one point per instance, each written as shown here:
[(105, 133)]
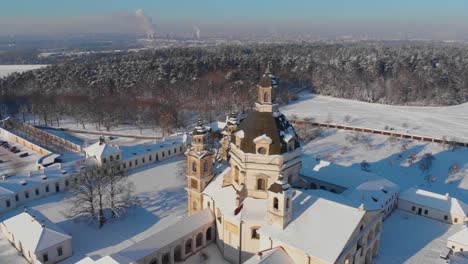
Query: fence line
[(383, 132)]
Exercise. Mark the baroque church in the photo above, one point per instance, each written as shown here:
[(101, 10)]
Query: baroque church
[(264, 203)]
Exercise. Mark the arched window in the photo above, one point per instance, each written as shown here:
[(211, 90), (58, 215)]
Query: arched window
[(265, 97), (275, 203), (260, 184), (194, 166), (205, 166), (287, 203), (262, 150)]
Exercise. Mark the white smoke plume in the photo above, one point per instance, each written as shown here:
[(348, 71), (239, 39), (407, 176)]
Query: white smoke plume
[(196, 31), (145, 24)]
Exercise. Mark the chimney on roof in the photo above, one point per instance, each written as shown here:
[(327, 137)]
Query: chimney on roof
[(42, 225), (25, 210), (29, 173), (447, 196)]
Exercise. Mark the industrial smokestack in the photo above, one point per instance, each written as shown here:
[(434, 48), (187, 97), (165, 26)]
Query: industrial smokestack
[(145, 24), (196, 32)]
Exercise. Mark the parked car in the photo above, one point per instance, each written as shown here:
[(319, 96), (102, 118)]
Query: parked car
[(24, 154)]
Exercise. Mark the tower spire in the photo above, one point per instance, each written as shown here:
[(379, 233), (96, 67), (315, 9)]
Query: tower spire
[(265, 102)]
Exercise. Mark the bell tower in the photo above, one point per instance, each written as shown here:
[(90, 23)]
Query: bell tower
[(232, 122), (266, 96), (200, 161), (280, 197)]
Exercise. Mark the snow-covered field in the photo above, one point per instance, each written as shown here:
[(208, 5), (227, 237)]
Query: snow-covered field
[(451, 121), (6, 70), (162, 203), (409, 238), (386, 158)]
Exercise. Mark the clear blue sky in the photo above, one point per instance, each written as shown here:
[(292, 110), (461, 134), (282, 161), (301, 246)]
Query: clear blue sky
[(418, 13), (212, 10)]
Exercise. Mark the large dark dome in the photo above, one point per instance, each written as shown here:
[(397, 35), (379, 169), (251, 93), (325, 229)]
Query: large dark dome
[(275, 125)]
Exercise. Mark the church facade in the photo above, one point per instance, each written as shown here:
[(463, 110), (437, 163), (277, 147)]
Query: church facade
[(258, 197)]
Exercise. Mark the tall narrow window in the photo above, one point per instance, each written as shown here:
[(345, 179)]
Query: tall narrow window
[(265, 97), (194, 166), (59, 251), (287, 203), (236, 174), (205, 166), (275, 203), (260, 184)]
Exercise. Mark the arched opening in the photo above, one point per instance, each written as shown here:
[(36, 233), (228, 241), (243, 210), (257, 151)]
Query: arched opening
[(313, 185), (262, 150), (208, 234), (260, 184), (188, 246), (205, 166), (275, 203), (154, 261), (199, 240), (368, 257), (375, 251), (266, 97), (194, 166), (166, 258), (347, 261), (178, 253)]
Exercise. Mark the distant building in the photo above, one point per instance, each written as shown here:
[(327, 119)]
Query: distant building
[(433, 205), (134, 156), (36, 238)]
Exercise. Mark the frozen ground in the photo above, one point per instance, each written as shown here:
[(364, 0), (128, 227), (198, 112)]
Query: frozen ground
[(388, 159), (409, 238), (163, 202), (6, 70), (451, 121)]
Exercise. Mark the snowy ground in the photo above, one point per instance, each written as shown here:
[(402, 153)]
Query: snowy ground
[(409, 238), (386, 158), (212, 253), (163, 202), (6, 70), (451, 121)]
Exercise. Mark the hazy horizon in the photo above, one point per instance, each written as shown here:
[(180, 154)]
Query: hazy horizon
[(430, 19)]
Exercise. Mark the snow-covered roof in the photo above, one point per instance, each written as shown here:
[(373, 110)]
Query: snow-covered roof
[(240, 134), (437, 201), (317, 227), (28, 228), (217, 126), (15, 183), (460, 237), (225, 197), (263, 137), (361, 187), (274, 255), (173, 233), (100, 149), (129, 152)]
